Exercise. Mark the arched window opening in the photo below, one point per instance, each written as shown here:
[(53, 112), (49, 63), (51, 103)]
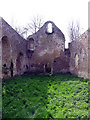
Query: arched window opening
[(31, 44), (49, 28), (76, 60), (19, 63), (6, 51), (4, 39), (6, 56)]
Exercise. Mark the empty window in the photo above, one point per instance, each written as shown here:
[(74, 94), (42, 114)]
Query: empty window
[(76, 60), (49, 28), (31, 44)]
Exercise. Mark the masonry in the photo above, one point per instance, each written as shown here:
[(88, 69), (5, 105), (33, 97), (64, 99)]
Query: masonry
[(43, 51), (48, 47), (12, 49), (79, 62)]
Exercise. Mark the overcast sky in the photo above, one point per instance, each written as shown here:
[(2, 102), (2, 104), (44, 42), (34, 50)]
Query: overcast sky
[(61, 12)]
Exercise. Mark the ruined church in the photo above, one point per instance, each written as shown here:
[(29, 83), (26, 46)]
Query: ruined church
[(43, 51)]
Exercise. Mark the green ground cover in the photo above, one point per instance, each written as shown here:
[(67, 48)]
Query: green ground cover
[(44, 96)]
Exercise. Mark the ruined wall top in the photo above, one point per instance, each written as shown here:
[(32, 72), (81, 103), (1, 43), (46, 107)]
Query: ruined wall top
[(44, 30)]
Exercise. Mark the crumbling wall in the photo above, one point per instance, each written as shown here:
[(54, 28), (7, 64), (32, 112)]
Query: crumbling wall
[(43, 51), (13, 47), (79, 56), (47, 46), (0, 49), (89, 53), (61, 64)]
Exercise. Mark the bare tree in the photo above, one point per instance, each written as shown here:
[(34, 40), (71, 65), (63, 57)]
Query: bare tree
[(74, 30), (35, 24), (32, 27), (21, 31), (18, 29)]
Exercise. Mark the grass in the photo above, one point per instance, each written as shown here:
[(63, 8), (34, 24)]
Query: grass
[(44, 96)]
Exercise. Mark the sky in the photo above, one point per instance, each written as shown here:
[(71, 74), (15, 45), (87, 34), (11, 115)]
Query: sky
[(61, 12)]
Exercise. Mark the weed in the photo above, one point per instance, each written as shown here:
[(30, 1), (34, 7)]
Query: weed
[(45, 96)]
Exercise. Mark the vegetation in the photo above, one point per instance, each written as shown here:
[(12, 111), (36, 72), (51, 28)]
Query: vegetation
[(44, 96)]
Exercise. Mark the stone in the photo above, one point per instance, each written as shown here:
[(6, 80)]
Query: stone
[(42, 52)]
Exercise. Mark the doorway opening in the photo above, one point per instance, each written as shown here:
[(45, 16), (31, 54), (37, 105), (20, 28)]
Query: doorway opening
[(47, 68)]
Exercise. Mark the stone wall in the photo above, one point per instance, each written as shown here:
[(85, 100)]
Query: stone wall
[(0, 48), (13, 51), (44, 47), (43, 51), (61, 64), (79, 56)]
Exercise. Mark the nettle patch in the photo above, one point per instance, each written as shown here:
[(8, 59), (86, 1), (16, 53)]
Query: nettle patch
[(44, 96)]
